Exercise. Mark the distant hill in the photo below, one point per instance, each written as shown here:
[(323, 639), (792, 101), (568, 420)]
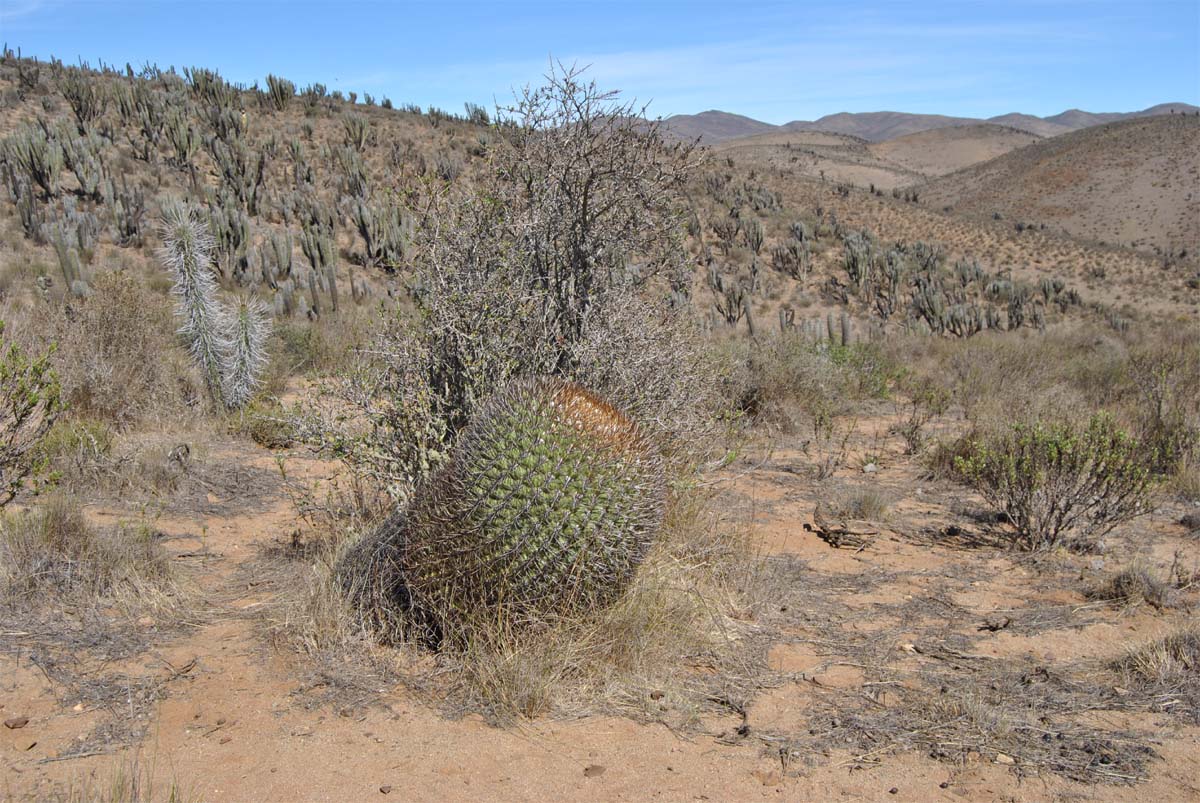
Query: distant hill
[(877, 126), (939, 151), (1135, 181), (713, 127), (902, 161), (1034, 125)]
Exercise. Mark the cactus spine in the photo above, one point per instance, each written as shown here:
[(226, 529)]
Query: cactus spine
[(550, 502)]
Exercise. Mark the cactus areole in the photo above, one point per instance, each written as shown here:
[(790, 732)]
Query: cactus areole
[(550, 502)]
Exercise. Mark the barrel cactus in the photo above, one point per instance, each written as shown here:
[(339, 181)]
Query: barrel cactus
[(550, 502)]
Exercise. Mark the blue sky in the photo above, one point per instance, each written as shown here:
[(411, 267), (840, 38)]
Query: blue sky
[(773, 61)]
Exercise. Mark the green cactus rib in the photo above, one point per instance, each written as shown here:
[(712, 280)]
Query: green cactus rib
[(551, 501)]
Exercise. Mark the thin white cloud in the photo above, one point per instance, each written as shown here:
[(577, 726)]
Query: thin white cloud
[(11, 10)]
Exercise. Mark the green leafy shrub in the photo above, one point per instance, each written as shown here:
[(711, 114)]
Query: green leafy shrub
[(1053, 481)]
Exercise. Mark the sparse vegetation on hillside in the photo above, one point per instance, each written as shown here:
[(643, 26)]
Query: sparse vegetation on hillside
[(699, 438)]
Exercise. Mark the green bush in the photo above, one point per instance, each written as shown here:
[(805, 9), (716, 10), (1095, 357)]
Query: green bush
[(1052, 481)]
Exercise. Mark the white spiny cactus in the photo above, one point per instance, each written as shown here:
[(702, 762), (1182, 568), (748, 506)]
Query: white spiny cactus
[(228, 346), (187, 250), (247, 355)]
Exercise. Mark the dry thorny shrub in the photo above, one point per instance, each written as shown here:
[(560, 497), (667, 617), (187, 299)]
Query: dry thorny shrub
[(117, 355), (555, 262)]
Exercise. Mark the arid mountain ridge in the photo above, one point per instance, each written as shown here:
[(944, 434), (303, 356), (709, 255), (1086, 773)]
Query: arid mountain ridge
[(717, 126)]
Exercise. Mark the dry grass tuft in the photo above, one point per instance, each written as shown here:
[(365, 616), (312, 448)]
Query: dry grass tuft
[(862, 502), (1166, 673), (649, 655), (129, 780), (1133, 586), (75, 598), (53, 553)]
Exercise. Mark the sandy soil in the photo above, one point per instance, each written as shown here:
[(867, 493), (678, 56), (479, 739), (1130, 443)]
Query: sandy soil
[(236, 720)]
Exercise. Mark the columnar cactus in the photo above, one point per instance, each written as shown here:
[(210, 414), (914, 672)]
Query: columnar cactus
[(228, 345), (247, 355), (550, 502), (186, 252)]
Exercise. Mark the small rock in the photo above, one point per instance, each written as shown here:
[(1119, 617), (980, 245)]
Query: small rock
[(383, 790), (16, 722), (1002, 758), (870, 468), (592, 770), (656, 695), (226, 739), (893, 790)]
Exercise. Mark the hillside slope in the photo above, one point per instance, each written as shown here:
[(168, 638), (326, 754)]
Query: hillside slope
[(838, 158), (944, 150), (1034, 125), (1134, 182), (903, 161)]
